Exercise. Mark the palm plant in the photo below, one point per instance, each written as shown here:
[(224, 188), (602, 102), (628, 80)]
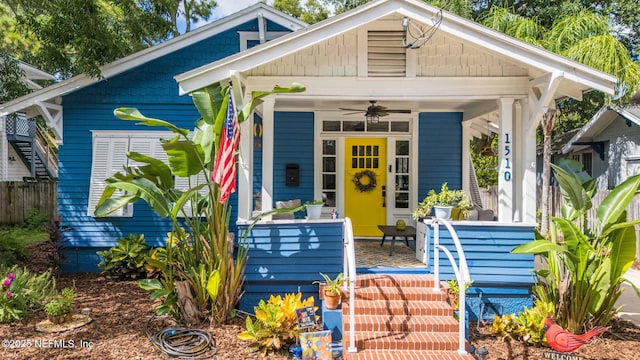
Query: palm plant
[(579, 35), (585, 261), (202, 272)]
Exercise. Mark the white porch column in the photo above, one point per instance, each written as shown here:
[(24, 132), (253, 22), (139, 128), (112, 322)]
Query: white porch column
[(268, 107), (506, 172), (4, 150), (528, 163), (466, 156), (518, 169), (245, 169)]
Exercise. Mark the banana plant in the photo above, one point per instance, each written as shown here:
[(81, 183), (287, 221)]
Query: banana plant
[(204, 257), (585, 262)]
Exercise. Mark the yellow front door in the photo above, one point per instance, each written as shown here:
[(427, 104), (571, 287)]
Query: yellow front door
[(365, 184)]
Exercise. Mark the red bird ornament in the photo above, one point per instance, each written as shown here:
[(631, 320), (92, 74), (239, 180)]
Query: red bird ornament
[(563, 341)]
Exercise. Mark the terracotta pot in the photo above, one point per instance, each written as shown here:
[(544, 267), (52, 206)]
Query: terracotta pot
[(331, 300), (453, 300), (321, 287)]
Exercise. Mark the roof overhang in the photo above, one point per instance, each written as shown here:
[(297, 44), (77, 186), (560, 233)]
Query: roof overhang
[(599, 122), (581, 77)]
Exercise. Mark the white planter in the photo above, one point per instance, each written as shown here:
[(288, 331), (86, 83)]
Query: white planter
[(314, 211), (443, 212)]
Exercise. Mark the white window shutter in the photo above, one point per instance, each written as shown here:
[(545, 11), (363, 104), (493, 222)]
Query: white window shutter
[(149, 145), (109, 157)]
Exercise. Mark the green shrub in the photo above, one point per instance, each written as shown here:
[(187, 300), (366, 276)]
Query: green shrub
[(35, 220), (527, 326), (126, 261), (276, 325), (60, 304), (14, 243), (22, 292)]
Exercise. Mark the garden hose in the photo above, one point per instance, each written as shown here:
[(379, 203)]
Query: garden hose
[(182, 342)]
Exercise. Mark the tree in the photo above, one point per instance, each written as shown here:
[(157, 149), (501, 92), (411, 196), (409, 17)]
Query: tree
[(69, 37), (311, 13), (189, 10), (582, 36), (11, 84)]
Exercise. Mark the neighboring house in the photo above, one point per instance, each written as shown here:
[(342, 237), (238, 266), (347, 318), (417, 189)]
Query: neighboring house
[(457, 81), (608, 145), (21, 140)]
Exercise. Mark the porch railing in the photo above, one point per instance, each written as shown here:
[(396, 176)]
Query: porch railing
[(350, 273), (460, 270)]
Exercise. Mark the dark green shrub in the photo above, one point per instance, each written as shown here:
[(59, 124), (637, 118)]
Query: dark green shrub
[(126, 261), (14, 243)]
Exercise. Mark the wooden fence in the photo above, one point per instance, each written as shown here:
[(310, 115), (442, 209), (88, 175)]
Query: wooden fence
[(18, 198), (489, 198)]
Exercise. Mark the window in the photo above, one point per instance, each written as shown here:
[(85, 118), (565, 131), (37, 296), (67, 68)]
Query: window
[(329, 172), (249, 39), (384, 126), (109, 156), (586, 159), (402, 160)]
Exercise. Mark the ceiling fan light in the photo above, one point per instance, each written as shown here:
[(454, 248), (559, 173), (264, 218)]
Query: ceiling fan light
[(373, 119)]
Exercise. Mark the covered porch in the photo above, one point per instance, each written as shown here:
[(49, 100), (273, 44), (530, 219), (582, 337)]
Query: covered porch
[(465, 81)]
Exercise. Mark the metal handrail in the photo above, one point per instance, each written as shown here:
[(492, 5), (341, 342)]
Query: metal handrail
[(461, 271), (349, 269), (48, 147)]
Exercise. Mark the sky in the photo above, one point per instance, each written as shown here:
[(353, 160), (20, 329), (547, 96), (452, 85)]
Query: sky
[(224, 8)]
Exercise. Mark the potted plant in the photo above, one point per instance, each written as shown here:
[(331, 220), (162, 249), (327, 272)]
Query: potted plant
[(314, 209), (331, 290), (443, 202), (454, 292), (59, 308)]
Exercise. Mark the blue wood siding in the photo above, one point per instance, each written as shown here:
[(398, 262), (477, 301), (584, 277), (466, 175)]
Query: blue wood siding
[(293, 143), (286, 258), (439, 151), (501, 279), (152, 89)]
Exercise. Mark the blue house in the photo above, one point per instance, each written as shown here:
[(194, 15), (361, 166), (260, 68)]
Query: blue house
[(396, 89)]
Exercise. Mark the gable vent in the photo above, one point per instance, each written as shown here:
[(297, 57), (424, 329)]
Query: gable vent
[(386, 55)]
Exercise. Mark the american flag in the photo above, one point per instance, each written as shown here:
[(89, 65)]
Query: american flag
[(224, 169)]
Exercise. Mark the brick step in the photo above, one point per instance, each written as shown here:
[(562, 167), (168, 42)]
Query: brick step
[(384, 340), (399, 281), (402, 323), (405, 355), (394, 293), (398, 307)]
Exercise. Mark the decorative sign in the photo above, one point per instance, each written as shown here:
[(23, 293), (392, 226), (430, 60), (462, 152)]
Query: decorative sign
[(507, 157), (306, 317), (316, 345), (560, 356)]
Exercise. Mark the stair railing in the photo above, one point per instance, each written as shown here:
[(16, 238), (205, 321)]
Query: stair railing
[(48, 148), (349, 265), (460, 270)]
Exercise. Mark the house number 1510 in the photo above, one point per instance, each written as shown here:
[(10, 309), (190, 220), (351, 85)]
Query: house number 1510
[(507, 158)]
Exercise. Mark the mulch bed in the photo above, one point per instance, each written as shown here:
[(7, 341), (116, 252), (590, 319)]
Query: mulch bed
[(122, 314), (121, 311)]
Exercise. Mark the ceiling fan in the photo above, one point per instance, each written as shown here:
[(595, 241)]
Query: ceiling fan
[(375, 110)]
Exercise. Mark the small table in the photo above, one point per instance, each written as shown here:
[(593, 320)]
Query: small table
[(390, 230)]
